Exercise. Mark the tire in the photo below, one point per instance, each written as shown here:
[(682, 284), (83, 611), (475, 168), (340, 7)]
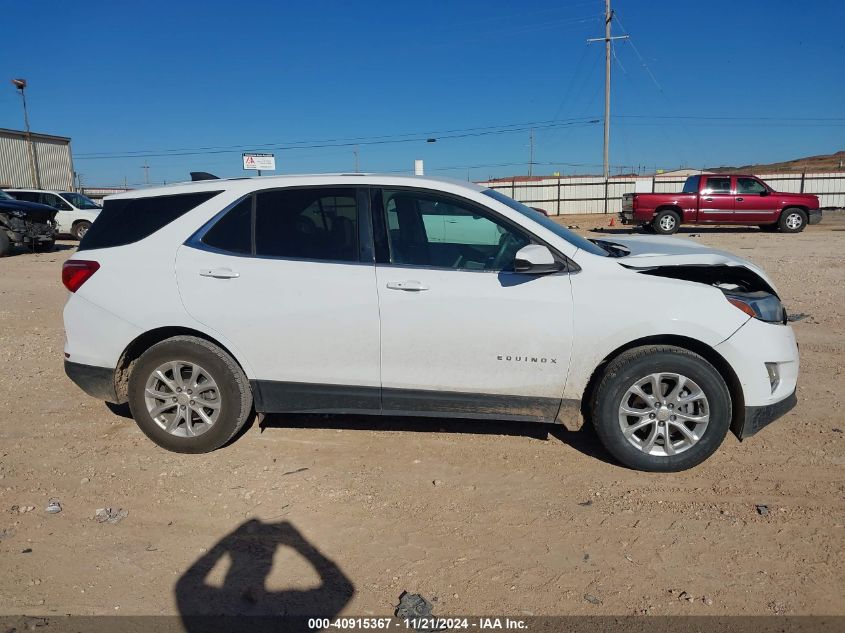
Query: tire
[(231, 395), (79, 229), (635, 367), (666, 222), (5, 243), (792, 220)]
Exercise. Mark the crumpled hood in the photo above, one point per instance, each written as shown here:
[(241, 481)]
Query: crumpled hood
[(649, 251), (33, 211)]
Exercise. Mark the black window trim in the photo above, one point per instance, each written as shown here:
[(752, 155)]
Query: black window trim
[(382, 242), (361, 199)]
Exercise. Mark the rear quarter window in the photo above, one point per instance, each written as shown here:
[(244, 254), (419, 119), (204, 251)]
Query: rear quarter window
[(129, 220), (691, 185)]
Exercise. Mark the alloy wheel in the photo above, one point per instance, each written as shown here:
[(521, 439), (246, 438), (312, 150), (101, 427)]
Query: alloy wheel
[(664, 414), (182, 398), (794, 221)]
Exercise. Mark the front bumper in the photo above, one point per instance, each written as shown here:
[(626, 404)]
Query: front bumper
[(97, 382), (748, 351), (758, 417), (814, 216)]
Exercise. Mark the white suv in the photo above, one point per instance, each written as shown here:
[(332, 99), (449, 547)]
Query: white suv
[(76, 213), (200, 302)]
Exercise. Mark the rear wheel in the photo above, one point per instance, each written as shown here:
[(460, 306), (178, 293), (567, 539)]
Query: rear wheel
[(5, 243), (792, 220), (661, 408), (666, 222), (80, 228), (188, 395)]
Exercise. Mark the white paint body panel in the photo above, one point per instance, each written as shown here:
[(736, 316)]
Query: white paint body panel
[(466, 331), (66, 219), (296, 321)]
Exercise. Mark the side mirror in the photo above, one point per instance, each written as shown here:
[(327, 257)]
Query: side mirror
[(535, 259), (765, 192)]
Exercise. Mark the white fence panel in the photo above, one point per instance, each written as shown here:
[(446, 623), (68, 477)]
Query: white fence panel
[(586, 194)]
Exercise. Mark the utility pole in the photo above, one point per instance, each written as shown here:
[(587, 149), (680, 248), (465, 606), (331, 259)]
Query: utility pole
[(607, 39), (355, 155), (531, 153), (146, 169), (35, 174)]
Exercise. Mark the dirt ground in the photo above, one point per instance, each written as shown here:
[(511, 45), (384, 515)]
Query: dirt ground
[(484, 518)]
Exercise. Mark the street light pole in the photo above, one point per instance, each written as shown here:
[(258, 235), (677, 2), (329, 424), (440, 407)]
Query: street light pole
[(20, 84)]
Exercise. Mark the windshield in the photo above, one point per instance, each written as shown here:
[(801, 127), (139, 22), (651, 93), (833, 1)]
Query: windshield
[(573, 238), (80, 201), (5, 196)]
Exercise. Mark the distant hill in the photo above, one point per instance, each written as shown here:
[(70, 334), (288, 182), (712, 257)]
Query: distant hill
[(825, 162)]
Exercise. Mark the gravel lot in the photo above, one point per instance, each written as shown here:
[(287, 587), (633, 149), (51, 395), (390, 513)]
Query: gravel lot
[(346, 513)]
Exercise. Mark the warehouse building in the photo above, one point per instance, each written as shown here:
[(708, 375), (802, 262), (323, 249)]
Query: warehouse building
[(45, 163)]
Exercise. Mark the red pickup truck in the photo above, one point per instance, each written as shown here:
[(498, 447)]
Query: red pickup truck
[(721, 199)]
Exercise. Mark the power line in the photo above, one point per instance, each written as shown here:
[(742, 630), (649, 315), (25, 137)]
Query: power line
[(341, 142)]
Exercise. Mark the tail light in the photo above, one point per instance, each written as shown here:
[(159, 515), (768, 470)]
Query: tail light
[(76, 272)]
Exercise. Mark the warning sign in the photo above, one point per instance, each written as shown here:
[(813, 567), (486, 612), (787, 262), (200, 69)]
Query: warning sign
[(261, 162)]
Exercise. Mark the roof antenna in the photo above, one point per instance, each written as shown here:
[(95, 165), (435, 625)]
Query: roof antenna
[(203, 175)]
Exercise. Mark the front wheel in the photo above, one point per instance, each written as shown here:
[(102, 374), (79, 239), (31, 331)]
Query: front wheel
[(188, 395), (792, 220), (666, 222), (80, 229), (661, 409)]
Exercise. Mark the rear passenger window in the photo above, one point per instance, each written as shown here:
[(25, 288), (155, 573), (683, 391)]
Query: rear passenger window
[(318, 223), (718, 185), (27, 196), (129, 220), (233, 232)]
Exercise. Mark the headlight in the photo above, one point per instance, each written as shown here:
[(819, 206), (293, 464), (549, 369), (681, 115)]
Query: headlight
[(760, 305)]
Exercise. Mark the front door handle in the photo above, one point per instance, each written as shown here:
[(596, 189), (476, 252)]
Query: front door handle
[(219, 273), (740, 199), (410, 286), (709, 199)]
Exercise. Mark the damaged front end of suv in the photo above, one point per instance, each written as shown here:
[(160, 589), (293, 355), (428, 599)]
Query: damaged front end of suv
[(763, 349), (26, 224)]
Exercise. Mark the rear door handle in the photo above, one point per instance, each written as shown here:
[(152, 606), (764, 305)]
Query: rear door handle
[(410, 286), (709, 199), (740, 199), (219, 273)]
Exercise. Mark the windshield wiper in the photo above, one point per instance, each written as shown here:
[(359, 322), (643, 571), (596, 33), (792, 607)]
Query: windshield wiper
[(612, 248)]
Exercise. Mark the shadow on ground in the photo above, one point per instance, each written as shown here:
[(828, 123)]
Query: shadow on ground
[(242, 601), (584, 441)]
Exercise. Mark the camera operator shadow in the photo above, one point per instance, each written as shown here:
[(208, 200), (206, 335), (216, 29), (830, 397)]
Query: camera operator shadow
[(243, 593)]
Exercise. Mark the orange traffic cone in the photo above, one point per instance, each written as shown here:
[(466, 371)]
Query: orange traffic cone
[(612, 221)]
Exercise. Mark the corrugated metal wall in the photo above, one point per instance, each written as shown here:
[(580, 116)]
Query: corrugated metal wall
[(586, 194), (53, 154)]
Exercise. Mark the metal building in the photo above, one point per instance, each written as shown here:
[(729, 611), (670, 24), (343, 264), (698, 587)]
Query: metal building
[(53, 161)]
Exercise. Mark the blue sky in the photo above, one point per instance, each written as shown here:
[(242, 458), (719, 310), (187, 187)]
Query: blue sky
[(131, 78)]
